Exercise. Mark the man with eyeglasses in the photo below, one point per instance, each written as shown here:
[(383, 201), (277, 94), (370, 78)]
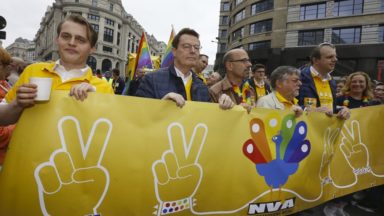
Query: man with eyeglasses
[(235, 85), (285, 81), (177, 82), (258, 81), (318, 90), (378, 93)]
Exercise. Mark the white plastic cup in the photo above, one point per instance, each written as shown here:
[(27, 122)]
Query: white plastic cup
[(44, 86)]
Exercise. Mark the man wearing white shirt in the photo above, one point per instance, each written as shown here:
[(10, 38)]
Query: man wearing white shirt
[(285, 82)]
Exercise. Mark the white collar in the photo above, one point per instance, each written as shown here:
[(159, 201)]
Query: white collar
[(185, 78), (316, 73), (259, 84), (67, 75)]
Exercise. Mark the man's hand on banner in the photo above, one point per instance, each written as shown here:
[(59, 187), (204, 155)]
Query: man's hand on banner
[(73, 181), (329, 141), (354, 150), (178, 174)]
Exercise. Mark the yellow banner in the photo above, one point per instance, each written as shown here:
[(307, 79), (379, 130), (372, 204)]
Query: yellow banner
[(118, 155)]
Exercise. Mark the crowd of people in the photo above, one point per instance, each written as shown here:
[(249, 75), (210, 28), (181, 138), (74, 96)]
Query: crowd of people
[(310, 89)]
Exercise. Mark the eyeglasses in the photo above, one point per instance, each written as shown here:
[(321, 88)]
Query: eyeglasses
[(244, 60), (189, 46)]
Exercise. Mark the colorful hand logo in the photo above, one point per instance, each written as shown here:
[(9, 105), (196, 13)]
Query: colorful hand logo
[(291, 148), (74, 175), (178, 170)]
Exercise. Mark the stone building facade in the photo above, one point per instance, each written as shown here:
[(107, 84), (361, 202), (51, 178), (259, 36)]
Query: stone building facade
[(23, 48)]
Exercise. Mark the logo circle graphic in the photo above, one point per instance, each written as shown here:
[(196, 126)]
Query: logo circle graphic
[(255, 128)]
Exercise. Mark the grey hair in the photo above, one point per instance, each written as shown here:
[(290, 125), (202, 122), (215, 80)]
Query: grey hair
[(282, 73)]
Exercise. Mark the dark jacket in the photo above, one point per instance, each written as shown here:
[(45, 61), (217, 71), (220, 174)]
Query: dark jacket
[(308, 89), (133, 86), (163, 81), (118, 86), (266, 85)]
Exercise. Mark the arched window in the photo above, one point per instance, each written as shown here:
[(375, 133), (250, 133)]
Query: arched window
[(106, 65), (92, 63)]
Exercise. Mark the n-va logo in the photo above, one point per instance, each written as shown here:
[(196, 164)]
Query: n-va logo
[(271, 207)]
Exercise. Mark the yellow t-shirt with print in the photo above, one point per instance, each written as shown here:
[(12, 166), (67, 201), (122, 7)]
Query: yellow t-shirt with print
[(324, 91), (46, 69), (260, 91)]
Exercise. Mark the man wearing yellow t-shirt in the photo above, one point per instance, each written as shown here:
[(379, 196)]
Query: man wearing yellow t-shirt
[(285, 81), (258, 81), (318, 92), (76, 41)]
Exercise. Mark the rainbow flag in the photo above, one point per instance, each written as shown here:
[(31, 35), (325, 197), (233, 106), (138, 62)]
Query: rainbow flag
[(143, 57), (168, 55)]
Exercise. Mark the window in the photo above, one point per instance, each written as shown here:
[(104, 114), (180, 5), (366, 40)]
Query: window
[(77, 12), (107, 49), (118, 38), (346, 35), (95, 27), (260, 27), (77, 1), (129, 41), (111, 7), (94, 17), (238, 1), (260, 44), (223, 33), (94, 3), (381, 33), (347, 7), (311, 37), (224, 20), (382, 5), (108, 35), (222, 47), (109, 22), (261, 6), (312, 11), (226, 6), (133, 43), (92, 62), (238, 34), (239, 16)]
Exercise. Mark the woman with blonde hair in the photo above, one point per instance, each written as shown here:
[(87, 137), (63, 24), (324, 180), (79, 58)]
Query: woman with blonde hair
[(357, 91)]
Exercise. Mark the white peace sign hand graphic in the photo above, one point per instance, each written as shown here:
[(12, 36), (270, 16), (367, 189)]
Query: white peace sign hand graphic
[(73, 181), (329, 141), (354, 150), (178, 174)]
